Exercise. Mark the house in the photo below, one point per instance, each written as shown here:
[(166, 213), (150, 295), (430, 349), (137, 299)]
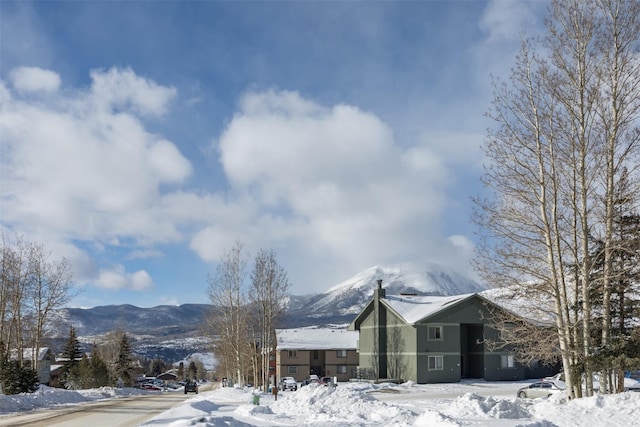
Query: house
[(433, 339), (322, 351), (43, 360)]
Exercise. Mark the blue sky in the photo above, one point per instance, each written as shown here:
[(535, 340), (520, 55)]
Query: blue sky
[(142, 139)]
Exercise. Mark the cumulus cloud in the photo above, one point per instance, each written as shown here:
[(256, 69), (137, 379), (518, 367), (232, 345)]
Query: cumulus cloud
[(122, 89), (330, 183), (82, 166), (34, 79), (327, 187), (117, 279)]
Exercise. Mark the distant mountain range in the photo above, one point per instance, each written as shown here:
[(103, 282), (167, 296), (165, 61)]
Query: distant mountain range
[(173, 332)]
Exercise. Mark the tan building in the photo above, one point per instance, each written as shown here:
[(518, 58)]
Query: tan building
[(302, 352)]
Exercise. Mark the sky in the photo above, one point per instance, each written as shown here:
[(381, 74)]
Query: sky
[(141, 140)]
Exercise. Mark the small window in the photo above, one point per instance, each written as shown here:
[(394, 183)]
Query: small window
[(506, 333), (506, 361), (342, 369), (435, 333), (293, 354), (292, 369), (435, 363), (342, 353)]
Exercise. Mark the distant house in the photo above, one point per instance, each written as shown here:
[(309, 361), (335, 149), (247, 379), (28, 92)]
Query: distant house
[(433, 339), (42, 361), (321, 351)]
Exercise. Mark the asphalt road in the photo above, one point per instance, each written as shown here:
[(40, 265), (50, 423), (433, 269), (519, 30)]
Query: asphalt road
[(122, 412)]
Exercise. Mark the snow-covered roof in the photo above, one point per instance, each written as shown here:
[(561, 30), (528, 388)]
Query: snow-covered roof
[(314, 338), (27, 353), (415, 308)]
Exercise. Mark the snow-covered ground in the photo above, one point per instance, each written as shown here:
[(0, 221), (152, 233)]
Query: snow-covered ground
[(360, 404)]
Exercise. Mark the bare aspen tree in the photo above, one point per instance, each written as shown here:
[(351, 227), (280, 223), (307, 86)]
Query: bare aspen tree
[(229, 320), (269, 292), (50, 289), (618, 111), (565, 129)]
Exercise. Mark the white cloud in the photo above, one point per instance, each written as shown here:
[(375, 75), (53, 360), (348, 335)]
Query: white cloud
[(122, 89), (327, 187), (92, 173), (34, 79), (327, 183), (89, 174), (117, 278)]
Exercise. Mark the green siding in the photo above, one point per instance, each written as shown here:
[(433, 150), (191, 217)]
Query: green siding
[(406, 348)]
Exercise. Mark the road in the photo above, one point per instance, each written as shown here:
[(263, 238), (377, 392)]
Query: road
[(123, 412)]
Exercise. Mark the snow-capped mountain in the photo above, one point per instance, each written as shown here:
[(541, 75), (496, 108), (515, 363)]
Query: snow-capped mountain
[(344, 301), (173, 332)]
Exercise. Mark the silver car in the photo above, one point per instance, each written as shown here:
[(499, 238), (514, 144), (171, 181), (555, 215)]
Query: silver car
[(540, 389)]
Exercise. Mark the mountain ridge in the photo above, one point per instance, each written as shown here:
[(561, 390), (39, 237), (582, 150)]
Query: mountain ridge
[(173, 331)]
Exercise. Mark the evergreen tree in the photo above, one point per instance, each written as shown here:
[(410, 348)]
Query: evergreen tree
[(157, 367), (124, 362), (19, 378), (72, 354), (193, 370), (181, 370), (99, 370), (85, 376), (622, 350)]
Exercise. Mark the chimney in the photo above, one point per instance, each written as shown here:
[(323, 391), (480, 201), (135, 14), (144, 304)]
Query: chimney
[(379, 292)]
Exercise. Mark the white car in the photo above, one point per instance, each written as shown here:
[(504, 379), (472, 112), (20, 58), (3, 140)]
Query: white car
[(288, 383), (630, 384), (544, 388)]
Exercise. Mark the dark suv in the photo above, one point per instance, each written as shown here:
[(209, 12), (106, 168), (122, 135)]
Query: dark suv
[(190, 386)]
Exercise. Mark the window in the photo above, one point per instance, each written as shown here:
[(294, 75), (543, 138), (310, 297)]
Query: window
[(507, 333), (342, 369), (435, 333), (293, 354), (315, 354), (342, 353), (506, 361), (435, 363), (292, 369)]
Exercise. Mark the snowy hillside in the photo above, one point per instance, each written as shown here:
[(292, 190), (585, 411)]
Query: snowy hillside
[(349, 297)]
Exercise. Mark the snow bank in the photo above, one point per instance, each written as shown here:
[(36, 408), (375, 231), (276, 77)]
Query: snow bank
[(48, 396), (340, 405)]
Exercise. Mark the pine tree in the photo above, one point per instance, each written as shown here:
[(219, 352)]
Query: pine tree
[(72, 354), (193, 370), (157, 367), (181, 370), (85, 376), (99, 370), (124, 362), (20, 379)]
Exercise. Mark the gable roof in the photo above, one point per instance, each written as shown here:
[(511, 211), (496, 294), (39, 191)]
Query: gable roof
[(414, 309), (28, 354), (314, 338)]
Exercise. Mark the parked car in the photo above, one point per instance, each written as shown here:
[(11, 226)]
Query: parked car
[(630, 384), (313, 379), (288, 383), (150, 386), (327, 381), (190, 386), (540, 389)]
